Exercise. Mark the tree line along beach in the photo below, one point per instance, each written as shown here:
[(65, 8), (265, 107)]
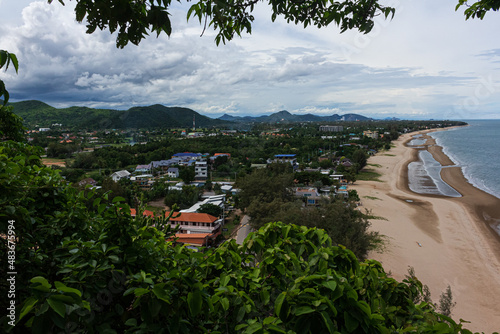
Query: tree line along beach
[(448, 240)]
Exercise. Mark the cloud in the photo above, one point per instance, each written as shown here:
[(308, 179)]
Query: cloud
[(400, 69)]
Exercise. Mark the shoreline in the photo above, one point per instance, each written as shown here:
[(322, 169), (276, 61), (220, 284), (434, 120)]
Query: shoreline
[(446, 240), (483, 206)]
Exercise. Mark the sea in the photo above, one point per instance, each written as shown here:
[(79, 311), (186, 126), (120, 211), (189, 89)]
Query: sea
[(476, 149)]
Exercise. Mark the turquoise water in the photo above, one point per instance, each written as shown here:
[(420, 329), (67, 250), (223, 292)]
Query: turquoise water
[(475, 148)]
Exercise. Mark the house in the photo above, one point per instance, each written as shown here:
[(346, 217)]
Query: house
[(143, 168), (198, 229), (88, 181), (310, 195), (173, 172), (193, 222), (144, 181), (286, 158), (117, 176), (342, 191)]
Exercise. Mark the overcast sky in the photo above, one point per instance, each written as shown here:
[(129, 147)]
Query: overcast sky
[(428, 62)]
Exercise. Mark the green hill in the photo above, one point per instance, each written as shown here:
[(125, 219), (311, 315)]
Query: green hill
[(36, 113)]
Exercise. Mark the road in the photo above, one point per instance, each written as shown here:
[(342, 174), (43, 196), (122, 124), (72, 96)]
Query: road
[(243, 230)]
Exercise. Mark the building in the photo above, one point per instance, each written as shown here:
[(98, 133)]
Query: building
[(371, 134), (143, 168), (88, 181), (173, 172), (286, 158), (197, 229), (187, 156), (117, 176), (331, 128), (144, 181), (200, 170), (310, 195), (218, 200)]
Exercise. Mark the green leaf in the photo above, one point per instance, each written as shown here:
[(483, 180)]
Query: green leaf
[(303, 310), (225, 303), (27, 306), (42, 283), (131, 322), (278, 304), (350, 322), (57, 306), (61, 287), (195, 302), (140, 291), (332, 285)]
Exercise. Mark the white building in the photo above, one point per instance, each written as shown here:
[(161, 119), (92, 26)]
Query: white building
[(117, 176), (200, 170)]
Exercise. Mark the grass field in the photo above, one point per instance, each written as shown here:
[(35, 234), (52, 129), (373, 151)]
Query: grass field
[(368, 175)]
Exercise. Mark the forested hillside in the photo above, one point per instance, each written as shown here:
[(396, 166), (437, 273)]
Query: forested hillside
[(36, 113)]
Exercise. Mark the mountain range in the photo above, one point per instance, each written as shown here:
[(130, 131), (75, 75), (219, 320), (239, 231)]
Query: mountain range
[(286, 117), (39, 114)]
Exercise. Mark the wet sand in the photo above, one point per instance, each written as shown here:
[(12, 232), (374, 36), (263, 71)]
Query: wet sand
[(448, 241)]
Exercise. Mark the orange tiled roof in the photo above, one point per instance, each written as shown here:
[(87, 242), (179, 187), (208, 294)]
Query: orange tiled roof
[(183, 217), (133, 212), (193, 217)]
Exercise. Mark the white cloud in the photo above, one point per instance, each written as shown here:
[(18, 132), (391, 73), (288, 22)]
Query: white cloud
[(425, 63)]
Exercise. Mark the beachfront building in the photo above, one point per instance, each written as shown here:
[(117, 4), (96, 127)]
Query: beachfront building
[(310, 195)]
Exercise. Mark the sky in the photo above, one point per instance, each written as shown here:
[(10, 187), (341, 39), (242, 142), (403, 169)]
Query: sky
[(427, 62)]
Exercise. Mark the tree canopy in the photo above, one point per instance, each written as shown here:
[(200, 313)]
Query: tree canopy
[(134, 20), (479, 8)]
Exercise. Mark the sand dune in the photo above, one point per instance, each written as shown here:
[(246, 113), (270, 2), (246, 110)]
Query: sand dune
[(447, 241)]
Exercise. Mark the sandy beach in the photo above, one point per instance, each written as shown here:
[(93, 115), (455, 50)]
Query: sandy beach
[(448, 241)]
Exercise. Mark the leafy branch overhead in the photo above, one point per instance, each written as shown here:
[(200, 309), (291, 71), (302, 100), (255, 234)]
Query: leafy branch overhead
[(6, 59), (478, 9), (134, 20)]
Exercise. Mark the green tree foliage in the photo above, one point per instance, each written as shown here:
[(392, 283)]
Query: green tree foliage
[(479, 8), (211, 209), (186, 174), (99, 270), (446, 303), (11, 125), (6, 59), (360, 158), (133, 20), (263, 186), (343, 223), (184, 198)]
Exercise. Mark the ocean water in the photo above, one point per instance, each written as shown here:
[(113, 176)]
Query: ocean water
[(475, 148)]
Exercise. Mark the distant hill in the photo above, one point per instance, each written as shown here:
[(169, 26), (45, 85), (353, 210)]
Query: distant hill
[(155, 116), (37, 113), (286, 117)]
